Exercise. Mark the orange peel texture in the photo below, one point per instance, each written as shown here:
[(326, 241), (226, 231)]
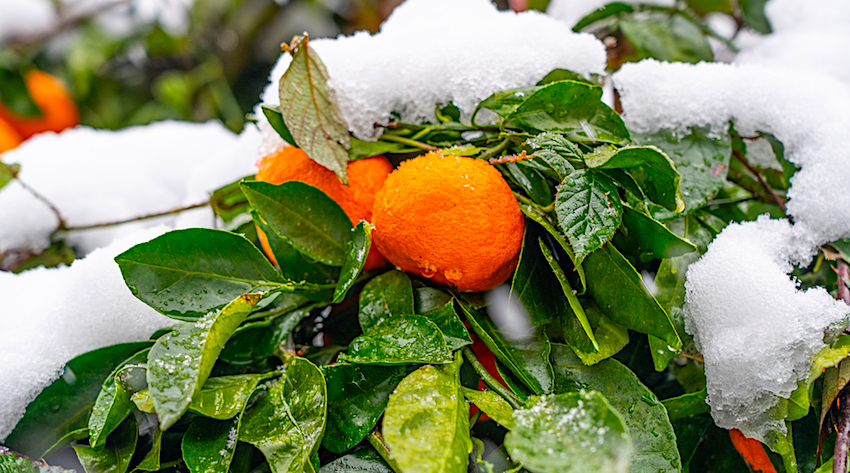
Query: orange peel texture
[(365, 177), (9, 138), (752, 451), (449, 218), (58, 109)]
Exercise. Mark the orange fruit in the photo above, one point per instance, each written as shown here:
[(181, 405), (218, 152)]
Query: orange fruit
[(58, 109), (752, 451), (449, 218), (365, 177), (9, 138)]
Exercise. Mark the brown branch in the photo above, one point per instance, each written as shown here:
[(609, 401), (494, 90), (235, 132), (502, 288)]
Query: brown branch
[(135, 219), (843, 271), (62, 25), (779, 200), (842, 430)]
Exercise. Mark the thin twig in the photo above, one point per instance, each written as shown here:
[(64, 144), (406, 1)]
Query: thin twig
[(62, 25), (842, 430), (779, 200), (46, 202), (843, 271), (135, 219)]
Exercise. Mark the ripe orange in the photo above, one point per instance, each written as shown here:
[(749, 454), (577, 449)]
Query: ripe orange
[(365, 177), (449, 218), (58, 109), (9, 138)]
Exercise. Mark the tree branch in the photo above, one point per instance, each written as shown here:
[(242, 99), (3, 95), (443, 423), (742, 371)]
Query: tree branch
[(779, 200)]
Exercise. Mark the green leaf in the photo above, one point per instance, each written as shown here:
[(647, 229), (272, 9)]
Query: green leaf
[(209, 444), (702, 162), (690, 433), (185, 274), (224, 397), (835, 377), (293, 265), (528, 358), (556, 75), (544, 222), (113, 403), (308, 107), (384, 297), (666, 37), (704, 7), (8, 172), (152, 460), (288, 421), (648, 239), (14, 94), (259, 340), (531, 181), (399, 341), (505, 102), (610, 336), (536, 287), (275, 119), (754, 17), (493, 405), (571, 107), (65, 405), (430, 436), (570, 433), (11, 463), (618, 290), (116, 455), (687, 405), (180, 362), (589, 210), (304, 217), (358, 250), (366, 149), (652, 435), (447, 320), (609, 10), (365, 460), (650, 168), (427, 299), (556, 151), (357, 397)]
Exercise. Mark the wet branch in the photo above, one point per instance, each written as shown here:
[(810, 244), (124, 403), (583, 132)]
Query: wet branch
[(779, 200)]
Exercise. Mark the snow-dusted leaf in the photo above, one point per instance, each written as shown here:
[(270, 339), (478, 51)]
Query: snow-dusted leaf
[(308, 107), (209, 444), (588, 209), (224, 397), (493, 405), (557, 151)]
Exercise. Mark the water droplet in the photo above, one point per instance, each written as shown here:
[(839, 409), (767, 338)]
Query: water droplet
[(453, 275), (182, 302), (427, 270), (550, 107)]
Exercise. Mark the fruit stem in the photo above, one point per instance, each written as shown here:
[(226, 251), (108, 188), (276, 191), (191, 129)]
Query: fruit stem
[(408, 141), (377, 441), (490, 381)]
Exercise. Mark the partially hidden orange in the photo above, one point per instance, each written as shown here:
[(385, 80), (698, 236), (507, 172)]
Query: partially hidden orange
[(365, 177), (9, 138), (58, 109), (449, 218)]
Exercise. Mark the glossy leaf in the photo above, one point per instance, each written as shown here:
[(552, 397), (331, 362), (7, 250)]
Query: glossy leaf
[(544, 222), (113, 403), (304, 217), (365, 149), (618, 290), (224, 397), (570, 107), (754, 17), (556, 75), (308, 106), (609, 10), (493, 405), (527, 359), (358, 250), (447, 320), (835, 379), (535, 285), (611, 337), (288, 421), (153, 459), (365, 460), (116, 455), (556, 151), (209, 444), (650, 168), (293, 265), (180, 362), (687, 405), (430, 436), (570, 433), (665, 37), (648, 239), (531, 181), (357, 397), (505, 102), (652, 435), (185, 274), (65, 405), (275, 118), (701, 161), (385, 296), (11, 463), (399, 341), (589, 210), (427, 299)]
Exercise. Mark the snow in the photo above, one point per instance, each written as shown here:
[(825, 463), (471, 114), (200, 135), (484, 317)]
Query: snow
[(25, 18), (52, 315), (120, 18), (97, 176), (572, 11), (756, 331), (436, 51)]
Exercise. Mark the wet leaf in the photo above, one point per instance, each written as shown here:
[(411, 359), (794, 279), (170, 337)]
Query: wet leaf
[(556, 151), (535, 285), (399, 341), (648, 239), (65, 405), (687, 405), (505, 102), (570, 107), (287, 422), (115, 456), (275, 119), (589, 210), (607, 11), (650, 168), (152, 460), (427, 299), (528, 358), (493, 405), (113, 403), (11, 463), (293, 265), (562, 74), (224, 397), (259, 340), (611, 337), (447, 320), (209, 444), (358, 250), (618, 290), (365, 460), (184, 274), (180, 362), (308, 107), (531, 181), (357, 397), (304, 217), (570, 433), (385, 296), (430, 436), (544, 222), (652, 435)]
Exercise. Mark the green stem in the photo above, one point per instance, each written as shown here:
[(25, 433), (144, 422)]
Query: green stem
[(474, 418), (490, 381), (527, 201), (409, 142), (495, 150), (377, 441)]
